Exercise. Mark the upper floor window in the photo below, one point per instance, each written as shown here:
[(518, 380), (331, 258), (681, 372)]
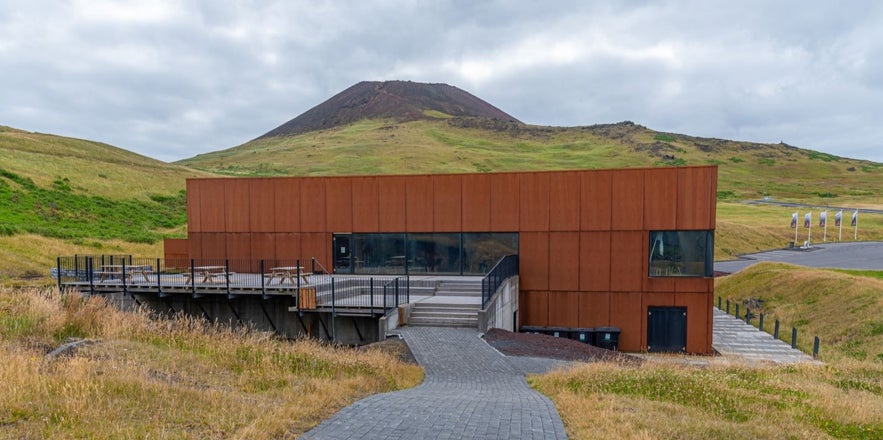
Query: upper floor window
[(681, 254)]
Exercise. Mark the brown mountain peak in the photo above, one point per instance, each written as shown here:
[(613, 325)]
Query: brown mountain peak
[(404, 100)]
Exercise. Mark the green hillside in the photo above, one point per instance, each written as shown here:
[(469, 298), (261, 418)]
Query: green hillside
[(444, 144), (62, 195)]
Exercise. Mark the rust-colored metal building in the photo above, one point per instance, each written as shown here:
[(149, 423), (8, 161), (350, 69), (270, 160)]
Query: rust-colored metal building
[(631, 248)]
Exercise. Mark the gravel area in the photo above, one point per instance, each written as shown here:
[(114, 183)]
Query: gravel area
[(533, 345)]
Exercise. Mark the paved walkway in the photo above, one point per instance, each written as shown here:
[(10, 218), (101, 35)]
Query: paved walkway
[(845, 255), (470, 392), (738, 341)]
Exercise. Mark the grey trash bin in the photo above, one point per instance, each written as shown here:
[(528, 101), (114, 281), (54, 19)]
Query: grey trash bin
[(583, 334)]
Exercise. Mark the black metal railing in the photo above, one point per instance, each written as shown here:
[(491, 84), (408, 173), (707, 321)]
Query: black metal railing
[(505, 268), (313, 286), (749, 315)]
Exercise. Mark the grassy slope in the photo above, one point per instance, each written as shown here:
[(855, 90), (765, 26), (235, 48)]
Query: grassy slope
[(841, 399), (158, 378), (62, 195), (842, 308), (91, 168), (747, 170)]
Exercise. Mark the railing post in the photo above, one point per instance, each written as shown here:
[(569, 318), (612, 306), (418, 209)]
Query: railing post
[(125, 271), (90, 274), (737, 310), (297, 278), (815, 348), (728, 306), (333, 311), (397, 291), (193, 277), (747, 315), (776, 330), (158, 270), (760, 322), (793, 337), (371, 292), (58, 274), (263, 279), (227, 275)]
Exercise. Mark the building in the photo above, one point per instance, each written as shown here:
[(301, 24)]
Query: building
[(630, 248)]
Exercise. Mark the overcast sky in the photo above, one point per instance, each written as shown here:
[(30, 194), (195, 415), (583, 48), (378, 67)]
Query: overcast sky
[(172, 79)]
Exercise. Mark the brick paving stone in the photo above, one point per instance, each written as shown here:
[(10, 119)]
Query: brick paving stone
[(470, 392)]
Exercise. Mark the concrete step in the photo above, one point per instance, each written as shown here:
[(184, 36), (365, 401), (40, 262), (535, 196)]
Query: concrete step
[(442, 314), (443, 322)]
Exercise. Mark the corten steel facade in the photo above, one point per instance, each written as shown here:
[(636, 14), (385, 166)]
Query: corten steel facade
[(584, 237)]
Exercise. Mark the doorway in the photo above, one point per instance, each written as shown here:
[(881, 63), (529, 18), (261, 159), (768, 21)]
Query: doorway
[(667, 329), (342, 253)]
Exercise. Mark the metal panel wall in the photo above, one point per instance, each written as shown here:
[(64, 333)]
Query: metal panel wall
[(194, 211), (564, 309), (626, 261), (236, 199), (699, 320), (504, 202), (697, 197), (594, 261), (419, 203), (564, 201), (595, 200), (287, 245), (533, 308), (338, 204), (448, 197), (212, 206), (392, 203), (564, 261), (476, 203), (534, 201), (366, 204), (627, 314), (262, 205), (660, 196), (594, 309), (533, 260), (286, 194), (312, 204), (627, 189), (263, 246)]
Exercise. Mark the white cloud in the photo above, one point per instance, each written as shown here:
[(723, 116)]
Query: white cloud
[(171, 79)]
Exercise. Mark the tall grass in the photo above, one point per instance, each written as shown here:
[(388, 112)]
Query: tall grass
[(604, 400), (146, 377)]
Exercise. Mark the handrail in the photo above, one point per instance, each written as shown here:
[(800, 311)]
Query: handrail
[(505, 268)]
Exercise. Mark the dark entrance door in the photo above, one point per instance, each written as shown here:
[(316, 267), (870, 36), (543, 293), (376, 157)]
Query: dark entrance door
[(342, 253), (667, 329)]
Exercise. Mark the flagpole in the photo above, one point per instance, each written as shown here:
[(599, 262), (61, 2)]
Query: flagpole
[(823, 222), (840, 233), (855, 235)]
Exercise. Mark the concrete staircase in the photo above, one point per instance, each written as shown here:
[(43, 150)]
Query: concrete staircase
[(455, 304)]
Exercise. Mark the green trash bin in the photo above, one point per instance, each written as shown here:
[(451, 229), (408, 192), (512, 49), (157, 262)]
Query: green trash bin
[(534, 329), (559, 332), (607, 337), (585, 335)]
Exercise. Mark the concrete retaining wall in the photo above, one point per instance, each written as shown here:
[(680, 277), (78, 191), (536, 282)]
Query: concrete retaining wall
[(501, 310)]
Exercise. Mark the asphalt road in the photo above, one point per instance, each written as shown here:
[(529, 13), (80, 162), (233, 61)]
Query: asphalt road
[(866, 255)]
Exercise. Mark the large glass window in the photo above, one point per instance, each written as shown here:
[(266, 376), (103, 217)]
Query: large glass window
[(681, 253), (443, 253)]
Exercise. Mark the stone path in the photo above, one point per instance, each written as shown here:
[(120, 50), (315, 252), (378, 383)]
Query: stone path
[(738, 341), (470, 392)]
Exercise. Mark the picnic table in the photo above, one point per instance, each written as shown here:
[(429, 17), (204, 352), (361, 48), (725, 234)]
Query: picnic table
[(208, 274), (125, 272), (289, 273)]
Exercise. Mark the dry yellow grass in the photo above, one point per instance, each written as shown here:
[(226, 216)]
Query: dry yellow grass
[(145, 377), (604, 400)]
